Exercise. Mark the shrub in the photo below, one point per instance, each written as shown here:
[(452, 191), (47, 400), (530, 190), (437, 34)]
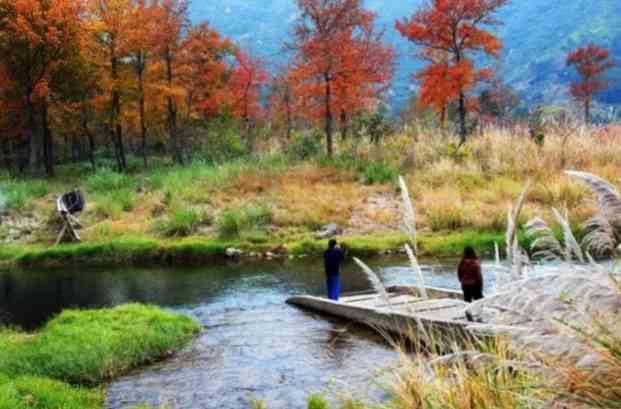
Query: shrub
[(305, 146), (448, 216), (107, 180), (181, 223), (19, 194), (257, 217), (231, 223), (113, 204), (378, 173)]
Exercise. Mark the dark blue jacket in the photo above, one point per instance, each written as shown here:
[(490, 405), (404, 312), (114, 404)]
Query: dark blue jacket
[(333, 258)]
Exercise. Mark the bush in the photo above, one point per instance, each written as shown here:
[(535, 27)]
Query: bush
[(113, 204), (378, 173), (18, 194), (107, 180), (231, 223), (305, 146), (181, 223), (448, 216)]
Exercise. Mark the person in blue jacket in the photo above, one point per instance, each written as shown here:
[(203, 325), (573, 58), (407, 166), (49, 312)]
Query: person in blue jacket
[(333, 258)]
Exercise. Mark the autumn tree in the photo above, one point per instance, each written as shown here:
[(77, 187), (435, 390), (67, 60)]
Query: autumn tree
[(204, 71), (591, 62), (245, 83), (37, 37), (141, 46), (366, 70), (110, 25), (456, 30), (334, 39), (282, 100), (498, 101), (172, 23)]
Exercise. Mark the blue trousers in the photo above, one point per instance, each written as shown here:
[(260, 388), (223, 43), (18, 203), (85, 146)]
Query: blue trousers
[(334, 287)]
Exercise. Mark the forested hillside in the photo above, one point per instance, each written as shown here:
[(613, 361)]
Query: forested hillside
[(537, 35)]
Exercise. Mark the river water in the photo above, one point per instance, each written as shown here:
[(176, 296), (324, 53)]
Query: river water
[(253, 345)]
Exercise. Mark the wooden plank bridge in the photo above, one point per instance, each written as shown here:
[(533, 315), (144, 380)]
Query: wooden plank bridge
[(403, 312)]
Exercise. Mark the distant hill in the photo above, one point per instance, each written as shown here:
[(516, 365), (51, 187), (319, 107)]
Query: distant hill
[(537, 36)]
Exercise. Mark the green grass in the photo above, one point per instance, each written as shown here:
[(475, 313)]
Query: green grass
[(116, 251), (145, 251), (453, 244), (378, 173), (233, 222), (91, 347), (107, 180), (113, 204), (18, 195), (40, 393), (181, 222), (317, 401), (56, 367)]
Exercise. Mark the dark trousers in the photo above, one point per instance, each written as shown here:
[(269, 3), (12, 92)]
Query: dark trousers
[(472, 292), (334, 287)]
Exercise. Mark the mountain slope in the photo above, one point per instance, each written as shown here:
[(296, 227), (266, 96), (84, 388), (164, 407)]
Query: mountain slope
[(537, 36)]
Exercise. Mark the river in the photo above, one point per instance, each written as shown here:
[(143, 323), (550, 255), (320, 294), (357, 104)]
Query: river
[(253, 345)]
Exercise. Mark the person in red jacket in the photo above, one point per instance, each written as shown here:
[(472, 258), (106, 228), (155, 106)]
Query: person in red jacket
[(470, 275)]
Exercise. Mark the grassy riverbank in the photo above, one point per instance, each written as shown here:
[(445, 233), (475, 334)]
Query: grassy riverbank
[(192, 250), (277, 202), (63, 364)]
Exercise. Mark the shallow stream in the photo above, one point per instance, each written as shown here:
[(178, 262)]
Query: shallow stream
[(253, 345)]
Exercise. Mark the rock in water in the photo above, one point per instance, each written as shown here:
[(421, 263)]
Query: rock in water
[(328, 232), (233, 253)]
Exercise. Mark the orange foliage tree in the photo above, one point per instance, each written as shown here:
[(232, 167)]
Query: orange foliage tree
[(340, 60), (204, 71), (172, 23), (37, 37), (282, 100), (450, 33), (141, 43), (245, 83), (590, 62), (110, 25)]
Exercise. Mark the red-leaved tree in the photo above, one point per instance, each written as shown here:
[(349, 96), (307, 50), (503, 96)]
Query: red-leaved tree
[(341, 62), (591, 62), (245, 83), (450, 34)]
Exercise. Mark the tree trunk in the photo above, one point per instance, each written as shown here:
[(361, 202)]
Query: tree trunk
[(463, 131), (443, 119), (115, 126), (288, 113), (344, 125), (143, 126), (89, 135), (33, 139), (121, 147), (48, 143), (172, 113), (329, 118)]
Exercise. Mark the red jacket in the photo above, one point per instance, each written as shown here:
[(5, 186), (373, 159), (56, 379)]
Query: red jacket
[(469, 272)]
